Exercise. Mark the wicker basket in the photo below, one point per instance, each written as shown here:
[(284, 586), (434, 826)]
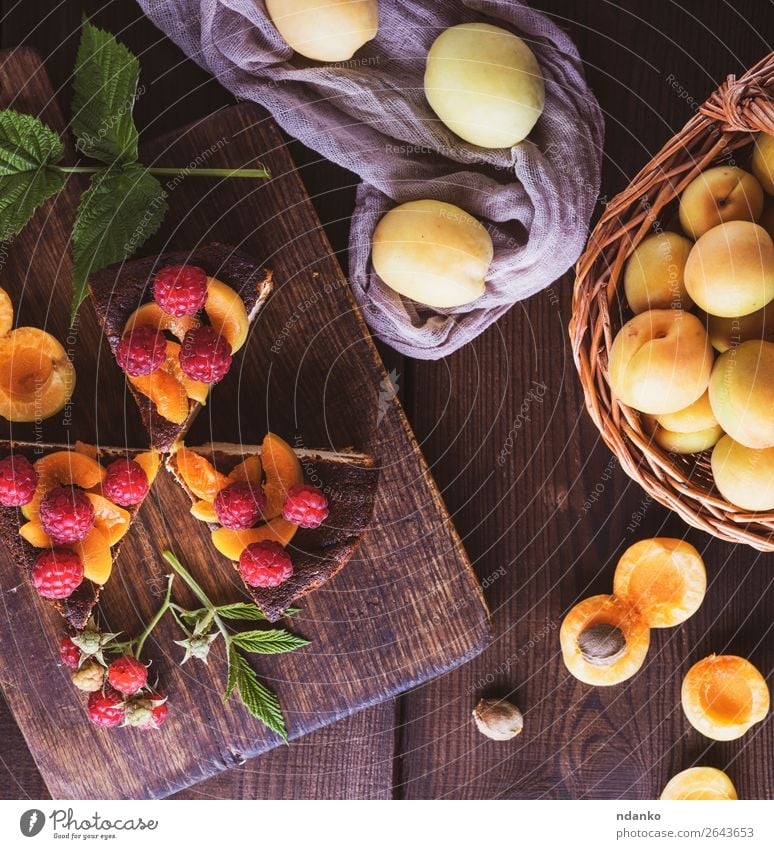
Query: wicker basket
[(683, 483)]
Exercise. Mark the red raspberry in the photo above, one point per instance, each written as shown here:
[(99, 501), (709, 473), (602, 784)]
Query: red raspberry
[(69, 653), (66, 514), (180, 289), (57, 573), (106, 709), (205, 355), (305, 506), (265, 564), (127, 675), (147, 712), (239, 505), (18, 481), (125, 483), (142, 351)]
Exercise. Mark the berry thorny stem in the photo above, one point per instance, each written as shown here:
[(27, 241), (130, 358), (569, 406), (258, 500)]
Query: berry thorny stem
[(250, 173), (198, 592), (156, 619)]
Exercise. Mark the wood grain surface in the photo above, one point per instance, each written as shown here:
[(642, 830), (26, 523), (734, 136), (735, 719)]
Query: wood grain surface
[(406, 608), (554, 518)]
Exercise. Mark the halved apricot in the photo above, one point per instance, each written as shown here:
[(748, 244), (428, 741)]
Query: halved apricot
[(604, 640), (149, 462), (282, 469), (700, 782), (95, 555), (63, 468), (249, 469), (36, 376), (233, 543), (167, 393), (204, 511), (109, 518), (152, 314), (226, 312), (723, 696), (199, 475), (664, 578), (33, 532), (195, 389)]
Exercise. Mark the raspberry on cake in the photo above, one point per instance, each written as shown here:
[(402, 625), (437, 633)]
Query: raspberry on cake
[(205, 355), (141, 351), (125, 483), (180, 289), (66, 514), (18, 481), (57, 573), (265, 564), (305, 506), (239, 505)]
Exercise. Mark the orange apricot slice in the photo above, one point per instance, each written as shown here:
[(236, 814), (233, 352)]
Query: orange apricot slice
[(149, 462), (6, 313), (282, 469), (199, 475), (37, 378), (233, 543), (723, 696), (700, 782), (226, 312), (152, 314), (664, 578), (250, 470), (63, 468), (95, 555), (109, 518), (85, 448), (604, 640), (195, 389), (33, 532), (204, 511), (167, 393)]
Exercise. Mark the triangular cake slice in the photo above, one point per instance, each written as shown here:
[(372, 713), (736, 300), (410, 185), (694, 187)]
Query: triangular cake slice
[(348, 481), (83, 467), (237, 287)]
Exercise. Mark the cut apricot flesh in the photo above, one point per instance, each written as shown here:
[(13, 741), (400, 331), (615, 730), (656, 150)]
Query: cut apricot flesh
[(109, 518), (233, 543), (282, 469), (33, 532), (249, 470), (723, 696), (63, 468), (37, 378), (6, 313), (204, 511), (664, 578), (199, 475), (604, 640), (149, 462), (167, 393), (95, 555), (86, 448), (700, 783), (226, 312), (152, 314)]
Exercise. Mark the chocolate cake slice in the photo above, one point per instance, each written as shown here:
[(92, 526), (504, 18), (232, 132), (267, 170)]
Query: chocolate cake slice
[(76, 608), (349, 481), (119, 290)]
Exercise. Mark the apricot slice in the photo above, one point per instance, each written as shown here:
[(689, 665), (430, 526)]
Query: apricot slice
[(167, 393), (33, 532), (282, 469), (233, 543), (36, 376), (195, 389), (700, 782), (204, 511), (149, 462), (152, 314), (663, 578), (249, 469), (604, 640), (63, 468), (199, 475), (226, 312), (723, 696), (109, 518), (85, 448), (95, 555), (6, 313)]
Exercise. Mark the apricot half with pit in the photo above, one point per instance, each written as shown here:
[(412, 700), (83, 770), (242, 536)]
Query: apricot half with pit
[(700, 783), (663, 578), (604, 640), (723, 696)]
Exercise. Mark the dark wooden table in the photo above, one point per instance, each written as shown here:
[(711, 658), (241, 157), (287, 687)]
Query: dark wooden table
[(546, 528)]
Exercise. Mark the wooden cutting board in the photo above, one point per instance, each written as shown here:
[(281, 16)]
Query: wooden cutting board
[(406, 609)]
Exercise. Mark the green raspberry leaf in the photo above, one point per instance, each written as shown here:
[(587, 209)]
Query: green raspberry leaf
[(105, 84), (275, 641), (259, 700), (28, 149), (119, 211), (240, 610)]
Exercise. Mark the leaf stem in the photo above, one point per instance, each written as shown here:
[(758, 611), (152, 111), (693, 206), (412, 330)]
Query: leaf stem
[(156, 619), (254, 173), (198, 592), (77, 169)]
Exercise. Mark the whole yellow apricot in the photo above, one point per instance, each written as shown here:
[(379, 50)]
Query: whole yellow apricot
[(432, 252), (696, 416), (725, 333), (730, 270), (692, 442), (763, 161), (744, 476), (741, 393), (660, 361), (767, 216), (485, 84), (325, 30), (653, 277), (717, 195)]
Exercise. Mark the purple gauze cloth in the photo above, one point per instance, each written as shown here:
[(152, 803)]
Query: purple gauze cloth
[(370, 115)]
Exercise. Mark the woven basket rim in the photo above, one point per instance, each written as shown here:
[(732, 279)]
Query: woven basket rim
[(723, 124)]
